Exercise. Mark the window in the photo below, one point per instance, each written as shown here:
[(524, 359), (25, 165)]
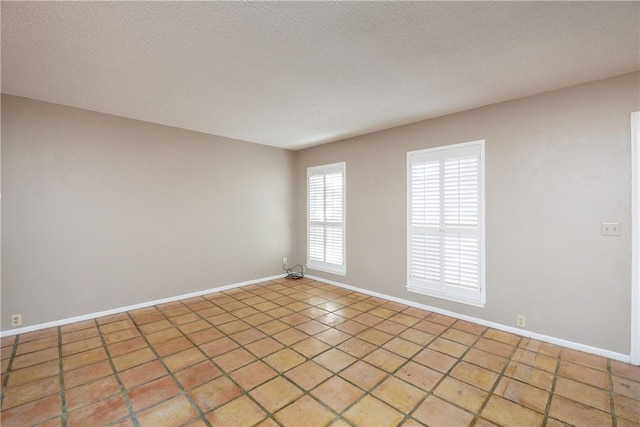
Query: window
[(326, 218), (445, 224)]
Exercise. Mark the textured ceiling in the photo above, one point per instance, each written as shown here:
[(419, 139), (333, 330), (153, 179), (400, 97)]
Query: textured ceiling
[(297, 74)]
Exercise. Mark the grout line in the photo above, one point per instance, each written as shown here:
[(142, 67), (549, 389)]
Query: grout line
[(5, 382), (116, 374), (553, 388), (614, 418), (65, 415)]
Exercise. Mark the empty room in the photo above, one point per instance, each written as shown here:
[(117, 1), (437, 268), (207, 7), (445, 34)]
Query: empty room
[(320, 213)]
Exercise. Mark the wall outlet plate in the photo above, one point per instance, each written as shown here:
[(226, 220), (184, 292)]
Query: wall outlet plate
[(521, 321), (610, 229), (16, 319)]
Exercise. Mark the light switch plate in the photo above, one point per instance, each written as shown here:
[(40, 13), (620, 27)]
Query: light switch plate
[(610, 228)]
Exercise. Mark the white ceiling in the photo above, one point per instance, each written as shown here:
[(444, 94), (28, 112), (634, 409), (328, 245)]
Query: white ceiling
[(297, 74)]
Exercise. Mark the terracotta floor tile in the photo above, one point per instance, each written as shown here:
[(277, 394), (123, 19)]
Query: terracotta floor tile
[(127, 346), (34, 373), (625, 370), (375, 336), (370, 411), (32, 412), (529, 375), (205, 335), (584, 359), (405, 319), (80, 346), (284, 360), (253, 374), (154, 327), (148, 318), (626, 423), (382, 312), (523, 394), (474, 375), (30, 392), (82, 359), (586, 394), (363, 375), (503, 337), (116, 326), (494, 347), (275, 394), (430, 327), (448, 347), (308, 374), (626, 387), (71, 327), (135, 358), (264, 347), (35, 358), (215, 393), (331, 319), (419, 375), (36, 335), (185, 319), (101, 413), (238, 413), (436, 412), (305, 411), (79, 335), (233, 327), (537, 360), (577, 414), (163, 335), (90, 393), (173, 412), (390, 327), (461, 394), (121, 335), (357, 347), (153, 392), (583, 374), (459, 336), (351, 327), (258, 319), (142, 374), (486, 360), (627, 408), (435, 360), (198, 325), (399, 394), (273, 327), (385, 360), (334, 360), (185, 358), (217, 347), (312, 327), (290, 336), (441, 319), (472, 328), (310, 347), (505, 412), (248, 336), (367, 319), (198, 374), (175, 345), (402, 347), (112, 318), (234, 359), (337, 393), (35, 345)]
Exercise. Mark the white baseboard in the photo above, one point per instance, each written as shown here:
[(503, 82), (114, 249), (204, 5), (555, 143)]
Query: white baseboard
[(540, 337), (89, 316)]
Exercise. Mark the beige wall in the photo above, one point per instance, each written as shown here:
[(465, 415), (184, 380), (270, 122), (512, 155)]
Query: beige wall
[(557, 165), (101, 212)]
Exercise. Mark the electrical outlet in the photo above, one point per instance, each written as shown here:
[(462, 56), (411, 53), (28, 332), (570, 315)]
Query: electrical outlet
[(284, 261), (16, 319), (521, 321), (610, 229)]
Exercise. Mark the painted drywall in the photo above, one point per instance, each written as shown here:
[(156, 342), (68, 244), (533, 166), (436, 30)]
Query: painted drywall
[(101, 212), (557, 165)]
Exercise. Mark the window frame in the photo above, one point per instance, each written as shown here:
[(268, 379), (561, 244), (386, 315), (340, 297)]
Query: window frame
[(479, 299), (324, 266)]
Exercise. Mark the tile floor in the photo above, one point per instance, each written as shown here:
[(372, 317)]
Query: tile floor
[(303, 353)]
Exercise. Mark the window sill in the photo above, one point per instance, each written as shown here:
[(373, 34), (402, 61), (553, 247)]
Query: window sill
[(454, 298)]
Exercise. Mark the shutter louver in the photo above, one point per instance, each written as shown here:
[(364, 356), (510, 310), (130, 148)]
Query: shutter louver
[(325, 229), (445, 217)]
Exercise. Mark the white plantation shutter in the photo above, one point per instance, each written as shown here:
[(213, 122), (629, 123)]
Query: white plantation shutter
[(325, 218), (446, 222)]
